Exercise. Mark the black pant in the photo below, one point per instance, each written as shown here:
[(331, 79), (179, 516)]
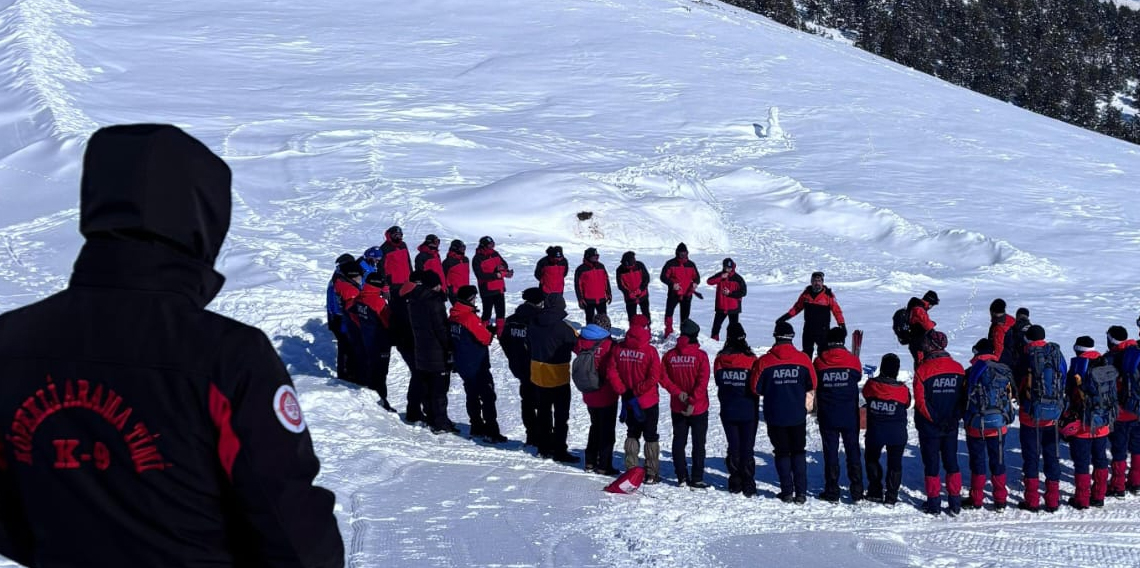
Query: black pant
[(741, 459), (790, 445), (553, 415), (831, 439), (417, 410), (494, 301), (528, 404), (875, 470), (480, 399), (671, 304), (814, 338), (699, 424), (375, 370), (718, 320), (437, 383), (632, 305), (594, 307), (345, 355), (646, 428), (600, 444)]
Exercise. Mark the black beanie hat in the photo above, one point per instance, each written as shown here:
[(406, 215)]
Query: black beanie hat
[(836, 335), (344, 258), (533, 295), (889, 366), (1022, 312), (784, 330), (984, 346), (997, 306), (728, 263), (467, 294), (431, 240), (429, 279), (1084, 343), (931, 297), (690, 329), (1035, 333), (1117, 334), (375, 278), (589, 253), (735, 331), (457, 244), (681, 248), (351, 269), (628, 257)]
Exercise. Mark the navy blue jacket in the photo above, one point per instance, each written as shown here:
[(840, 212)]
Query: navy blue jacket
[(837, 400), (469, 341), (939, 395), (887, 402), (783, 376), (514, 341), (730, 373)]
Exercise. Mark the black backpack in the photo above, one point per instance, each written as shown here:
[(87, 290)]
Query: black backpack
[(1047, 386), (1098, 389), (901, 325)]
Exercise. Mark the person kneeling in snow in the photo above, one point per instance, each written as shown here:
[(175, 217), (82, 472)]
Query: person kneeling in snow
[(469, 342)]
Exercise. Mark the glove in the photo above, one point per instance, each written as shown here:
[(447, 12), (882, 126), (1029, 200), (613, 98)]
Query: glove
[(683, 397), (688, 411), (843, 326), (783, 318)]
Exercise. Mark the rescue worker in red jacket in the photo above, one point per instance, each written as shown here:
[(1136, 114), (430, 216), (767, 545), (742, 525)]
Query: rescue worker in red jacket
[(428, 257), (681, 278), (818, 304), (491, 272), (397, 261), (633, 281), (634, 371), (551, 271), (592, 285), (918, 317), (686, 378), (456, 270), (1002, 334), (730, 293), (602, 404), (148, 431)]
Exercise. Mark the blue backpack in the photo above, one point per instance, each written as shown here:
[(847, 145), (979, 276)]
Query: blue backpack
[(1098, 391), (988, 390), (1047, 383), (1130, 368)]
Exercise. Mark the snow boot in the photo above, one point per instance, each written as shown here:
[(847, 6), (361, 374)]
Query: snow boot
[(1116, 486), (478, 430), (632, 449), (1083, 492), (1099, 487), (668, 327), (933, 504), (653, 462), (1052, 496), (1032, 500), (492, 433), (1001, 493)]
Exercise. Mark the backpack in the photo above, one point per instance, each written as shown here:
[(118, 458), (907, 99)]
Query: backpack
[(1130, 368), (901, 325), (1047, 383), (1098, 389), (988, 403), (584, 369)]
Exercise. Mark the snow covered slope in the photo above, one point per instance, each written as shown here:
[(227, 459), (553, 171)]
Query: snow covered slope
[(507, 118)]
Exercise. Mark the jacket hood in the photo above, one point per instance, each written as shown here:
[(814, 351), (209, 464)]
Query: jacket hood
[(637, 336), (155, 183), (834, 355), (459, 309), (594, 332), (527, 311), (550, 315)]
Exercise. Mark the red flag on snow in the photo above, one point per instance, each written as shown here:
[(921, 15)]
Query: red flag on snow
[(627, 482)]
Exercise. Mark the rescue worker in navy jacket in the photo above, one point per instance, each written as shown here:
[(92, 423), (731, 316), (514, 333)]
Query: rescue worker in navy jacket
[(739, 409), (592, 285), (818, 304), (148, 431), (470, 340), (345, 362), (784, 377), (887, 403), (515, 347), (837, 403), (939, 403), (371, 314)]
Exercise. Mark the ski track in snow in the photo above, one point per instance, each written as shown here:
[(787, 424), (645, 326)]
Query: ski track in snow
[(454, 131)]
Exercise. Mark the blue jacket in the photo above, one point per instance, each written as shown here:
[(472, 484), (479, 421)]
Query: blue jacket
[(469, 342), (837, 400), (730, 373), (939, 396), (887, 402), (783, 376)]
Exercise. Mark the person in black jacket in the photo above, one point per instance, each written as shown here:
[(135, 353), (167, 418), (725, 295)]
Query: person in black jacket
[(427, 313), (551, 341), (515, 347), (147, 431)]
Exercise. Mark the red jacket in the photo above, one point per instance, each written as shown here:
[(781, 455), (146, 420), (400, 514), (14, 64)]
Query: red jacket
[(920, 318), (730, 290), (633, 281), (592, 283), (465, 315), (551, 274), (428, 259), (680, 273), (987, 432), (458, 272), (346, 293), (635, 366), (490, 269), (998, 330), (372, 297), (605, 395), (1075, 393), (686, 370), (397, 261), (819, 305)]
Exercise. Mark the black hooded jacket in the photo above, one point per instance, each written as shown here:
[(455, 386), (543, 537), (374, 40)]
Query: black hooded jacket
[(431, 332), (140, 429)]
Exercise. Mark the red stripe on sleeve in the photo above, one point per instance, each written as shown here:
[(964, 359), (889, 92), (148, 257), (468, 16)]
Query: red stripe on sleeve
[(228, 443)]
